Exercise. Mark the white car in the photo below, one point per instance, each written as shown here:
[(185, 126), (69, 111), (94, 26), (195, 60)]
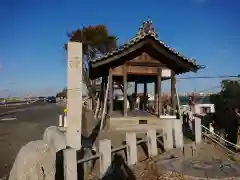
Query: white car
[(3, 102)]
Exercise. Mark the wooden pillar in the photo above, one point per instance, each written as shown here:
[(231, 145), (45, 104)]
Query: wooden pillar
[(159, 79), (156, 95), (125, 90), (135, 87), (145, 94), (110, 92), (145, 89), (93, 105), (173, 91), (135, 91), (102, 92)]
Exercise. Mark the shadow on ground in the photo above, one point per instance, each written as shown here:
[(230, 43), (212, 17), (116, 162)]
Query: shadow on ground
[(118, 170)]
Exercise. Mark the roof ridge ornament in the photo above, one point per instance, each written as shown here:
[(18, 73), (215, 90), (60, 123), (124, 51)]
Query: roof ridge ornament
[(147, 28)]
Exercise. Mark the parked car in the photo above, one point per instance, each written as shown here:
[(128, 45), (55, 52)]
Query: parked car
[(51, 99), (41, 99)]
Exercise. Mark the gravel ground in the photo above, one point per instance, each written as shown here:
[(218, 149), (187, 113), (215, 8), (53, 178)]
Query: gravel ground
[(143, 171), (146, 170), (150, 170)]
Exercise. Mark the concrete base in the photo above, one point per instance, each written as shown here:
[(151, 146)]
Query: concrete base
[(198, 130), (177, 133), (167, 134), (133, 123)]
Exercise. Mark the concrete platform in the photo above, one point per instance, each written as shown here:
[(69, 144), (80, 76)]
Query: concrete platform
[(211, 162), (205, 168), (137, 120)]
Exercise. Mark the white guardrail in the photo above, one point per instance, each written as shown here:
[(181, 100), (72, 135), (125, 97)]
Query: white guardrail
[(105, 151), (218, 139)]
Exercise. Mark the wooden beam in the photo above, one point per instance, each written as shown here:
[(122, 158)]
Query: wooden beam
[(172, 57), (118, 56), (156, 47), (173, 91), (125, 90), (110, 81), (159, 79), (148, 64), (156, 96)]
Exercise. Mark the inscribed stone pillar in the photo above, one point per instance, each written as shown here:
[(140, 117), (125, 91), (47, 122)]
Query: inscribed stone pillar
[(74, 94), (70, 164)]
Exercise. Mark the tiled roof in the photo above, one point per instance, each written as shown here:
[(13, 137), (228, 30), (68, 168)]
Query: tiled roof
[(146, 30)]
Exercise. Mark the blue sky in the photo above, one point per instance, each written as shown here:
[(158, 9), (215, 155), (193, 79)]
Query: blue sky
[(32, 35)]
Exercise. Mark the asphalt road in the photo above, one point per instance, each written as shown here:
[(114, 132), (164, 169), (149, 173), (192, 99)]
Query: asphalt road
[(4, 110), (13, 107), (25, 126)]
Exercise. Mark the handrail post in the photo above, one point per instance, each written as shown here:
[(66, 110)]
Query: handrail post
[(131, 141), (178, 133), (152, 143), (198, 130), (167, 134), (70, 164), (65, 123), (60, 120), (105, 155)]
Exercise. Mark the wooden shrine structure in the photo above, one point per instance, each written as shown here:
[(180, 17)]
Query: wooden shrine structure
[(143, 59)]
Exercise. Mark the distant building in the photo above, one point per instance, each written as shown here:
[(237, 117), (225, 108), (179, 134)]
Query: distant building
[(204, 108), (201, 106)]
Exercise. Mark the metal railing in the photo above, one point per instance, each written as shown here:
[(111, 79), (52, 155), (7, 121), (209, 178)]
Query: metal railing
[(114, 150), (216, 139)]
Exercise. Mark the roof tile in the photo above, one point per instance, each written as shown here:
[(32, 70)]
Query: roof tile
[(145, 30)]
